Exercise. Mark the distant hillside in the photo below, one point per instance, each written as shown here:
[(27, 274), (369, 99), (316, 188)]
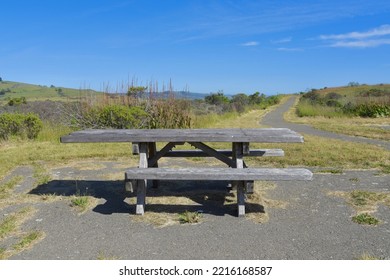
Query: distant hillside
[(351, 91), (31, 92)]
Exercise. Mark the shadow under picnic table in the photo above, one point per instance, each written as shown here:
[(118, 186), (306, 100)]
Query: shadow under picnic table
[(211, 197)]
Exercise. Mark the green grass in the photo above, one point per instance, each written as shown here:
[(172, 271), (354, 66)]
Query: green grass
[(8, 225), (365, 219), (11, 222), (3, 253), (363, 198), (27, 240), (10, 185), (81, 202), (37, 92), (305, 109), (190, 217)]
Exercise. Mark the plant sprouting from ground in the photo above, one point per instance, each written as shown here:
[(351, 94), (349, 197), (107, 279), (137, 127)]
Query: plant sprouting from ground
[(190, 217)]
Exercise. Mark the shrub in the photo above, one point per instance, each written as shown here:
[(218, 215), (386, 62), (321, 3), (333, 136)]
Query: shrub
[(119, 116), (24, 125), (168, 113), (110, 116), (367, 110), (17, 101), (32, 125), (333, 103), (333, 95)]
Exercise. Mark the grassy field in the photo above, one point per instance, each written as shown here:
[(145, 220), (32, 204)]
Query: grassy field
[(376, 128), (37, 92)]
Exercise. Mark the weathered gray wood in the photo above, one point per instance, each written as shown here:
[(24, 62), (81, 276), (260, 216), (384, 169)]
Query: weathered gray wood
[(220, 174), (135, 148), (142, 182), (249, 187), (238, 155), (241, 197), (152, 153), (238, 158), (245, 148), (260, 135), (167, 148), (130, 185), (228, 153), (213, 153)]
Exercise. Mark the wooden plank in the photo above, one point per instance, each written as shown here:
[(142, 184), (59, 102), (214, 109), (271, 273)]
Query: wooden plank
[(260, 135), (152, 153), (162, 153), (241, 197), (238, 155), (135, 148), (228, 153), (220, 174), (238, 158), (213, 153)]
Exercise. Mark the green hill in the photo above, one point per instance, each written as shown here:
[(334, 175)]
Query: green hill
[(355, 90), (31, 92)]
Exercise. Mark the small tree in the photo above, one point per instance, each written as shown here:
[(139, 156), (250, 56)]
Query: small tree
[(257, 98), (136, 92), (217, 98), (1, 79)]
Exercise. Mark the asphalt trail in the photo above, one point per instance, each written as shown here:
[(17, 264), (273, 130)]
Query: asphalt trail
[(275, 119)]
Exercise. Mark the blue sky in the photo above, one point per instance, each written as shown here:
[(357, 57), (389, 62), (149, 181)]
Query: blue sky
[(203, 46)]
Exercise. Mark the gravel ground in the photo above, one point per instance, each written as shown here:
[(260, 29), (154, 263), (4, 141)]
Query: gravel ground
[(313, 225)]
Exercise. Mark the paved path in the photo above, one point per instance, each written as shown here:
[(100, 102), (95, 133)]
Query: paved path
[(275, 119), (314, 224)]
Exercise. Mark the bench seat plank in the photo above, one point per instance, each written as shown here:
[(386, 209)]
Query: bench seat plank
[(220, 174)]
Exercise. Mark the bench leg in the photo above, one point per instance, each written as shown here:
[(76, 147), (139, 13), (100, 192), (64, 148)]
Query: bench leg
[(141, 197), (241, 199)]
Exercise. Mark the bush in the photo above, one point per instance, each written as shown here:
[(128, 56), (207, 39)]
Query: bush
[(111, 116), (372, 110), (169, 113), (24, 125), (17, 101)]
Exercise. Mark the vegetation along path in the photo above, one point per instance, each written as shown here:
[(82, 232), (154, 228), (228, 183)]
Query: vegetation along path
[(275, 119)]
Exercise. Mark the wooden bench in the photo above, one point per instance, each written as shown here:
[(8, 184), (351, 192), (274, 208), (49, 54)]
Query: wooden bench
[(238, 176)]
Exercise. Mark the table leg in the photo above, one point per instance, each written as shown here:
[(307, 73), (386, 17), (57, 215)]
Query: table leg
[(152, 153), (141, 184), (239, 163)]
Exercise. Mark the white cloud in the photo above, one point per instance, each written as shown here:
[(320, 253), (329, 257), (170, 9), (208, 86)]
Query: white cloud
[(367, 39), (250, 44), (283, 40), (380, 31), (361, 43), (290, 49)]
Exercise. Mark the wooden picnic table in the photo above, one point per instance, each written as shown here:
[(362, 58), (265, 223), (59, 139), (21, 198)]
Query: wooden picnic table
[(144, 144)]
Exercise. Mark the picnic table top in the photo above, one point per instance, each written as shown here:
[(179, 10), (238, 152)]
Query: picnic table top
[(259, 135)]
